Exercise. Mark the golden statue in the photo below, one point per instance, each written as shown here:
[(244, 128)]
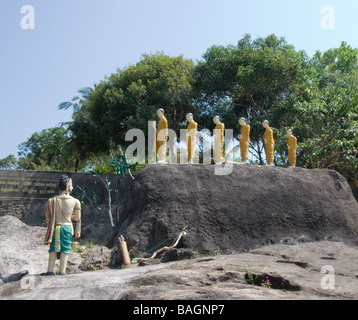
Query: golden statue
[(292, 148), (269, 143), (161, 136), (219, 139), (244, 140), (191, 137), (60, 210)]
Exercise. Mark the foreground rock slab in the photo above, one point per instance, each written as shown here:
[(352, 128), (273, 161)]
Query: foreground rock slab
[(225, 277), (22, 249)]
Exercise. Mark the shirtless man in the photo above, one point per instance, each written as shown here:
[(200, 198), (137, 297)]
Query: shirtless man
[(59, 212)]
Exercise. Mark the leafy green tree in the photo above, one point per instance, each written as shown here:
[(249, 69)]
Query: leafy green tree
[(46, 150), (129, 99), (248, 80), (83, 142), (326, 120), (9, 162)]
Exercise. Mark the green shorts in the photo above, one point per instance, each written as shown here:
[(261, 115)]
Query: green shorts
[(62, 243)]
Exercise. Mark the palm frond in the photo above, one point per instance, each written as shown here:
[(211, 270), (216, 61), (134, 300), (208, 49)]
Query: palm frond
[(65, 105)]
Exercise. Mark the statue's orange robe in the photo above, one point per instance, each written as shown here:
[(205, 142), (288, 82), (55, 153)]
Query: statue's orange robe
[(219, 142), (162, 134), (191, 139), (269, 145), (292, 143), (244, 142)]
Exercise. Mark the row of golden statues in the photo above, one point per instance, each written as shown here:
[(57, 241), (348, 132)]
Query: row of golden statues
[(244, 138)]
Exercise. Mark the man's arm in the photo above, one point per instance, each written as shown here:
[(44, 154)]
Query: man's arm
[(77, 217)]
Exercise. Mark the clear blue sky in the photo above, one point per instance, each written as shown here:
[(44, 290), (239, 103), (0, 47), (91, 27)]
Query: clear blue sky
[(76, 43)]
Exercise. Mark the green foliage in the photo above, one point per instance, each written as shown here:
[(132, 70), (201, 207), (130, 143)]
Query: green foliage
[(85, 141), (248, 80), (9, 162), (121, 169), (129, 99), (250, 277), (326, 122), (47, 150)]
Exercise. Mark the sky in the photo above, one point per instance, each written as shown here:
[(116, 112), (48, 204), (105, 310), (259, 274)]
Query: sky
[(58, 47)]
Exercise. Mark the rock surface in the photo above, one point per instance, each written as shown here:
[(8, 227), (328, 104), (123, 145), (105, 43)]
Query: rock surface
[(251, 207), (22, 248), (97, 258), (294, 270), (177, 255)]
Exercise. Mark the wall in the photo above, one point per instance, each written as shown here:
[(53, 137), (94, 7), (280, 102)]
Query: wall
[(23, 194)]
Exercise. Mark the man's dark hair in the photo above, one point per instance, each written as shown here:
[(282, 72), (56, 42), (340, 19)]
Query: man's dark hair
[(63, 181)]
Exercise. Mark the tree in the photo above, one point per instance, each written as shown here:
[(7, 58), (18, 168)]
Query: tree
[(46, 150), (248, 80), (121, 169), (326, 120), (83, 140), (9, 162), (129, 99)]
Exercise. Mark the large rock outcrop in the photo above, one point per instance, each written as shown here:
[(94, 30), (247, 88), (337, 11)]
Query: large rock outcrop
[(251, 207)]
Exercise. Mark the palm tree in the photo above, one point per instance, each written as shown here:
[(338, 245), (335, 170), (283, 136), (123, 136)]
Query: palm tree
[(80, 115), (77, 103)]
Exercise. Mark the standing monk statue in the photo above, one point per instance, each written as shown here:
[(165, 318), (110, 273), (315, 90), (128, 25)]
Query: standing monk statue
[(219, 139), (161, 136), (244, 140), (269, 143), (292, 148), (191, 137), (60, 210)]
